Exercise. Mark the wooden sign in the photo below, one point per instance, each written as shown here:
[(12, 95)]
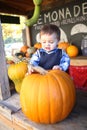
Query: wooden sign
[(71, 19)]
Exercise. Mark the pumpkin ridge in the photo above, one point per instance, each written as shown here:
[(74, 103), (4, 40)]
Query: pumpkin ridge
[(30, 100), (35, 80), (62, 93), (38, 100), (36, 97), (44, 104), (71, 92), (68, 94), (24, 104), (58, 87), (49, 100), (68, 78)]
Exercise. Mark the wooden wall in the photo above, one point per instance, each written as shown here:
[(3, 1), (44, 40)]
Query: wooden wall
[(4, 83)]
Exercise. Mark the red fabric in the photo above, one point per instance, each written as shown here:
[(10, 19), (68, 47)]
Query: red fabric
[(79, 75)]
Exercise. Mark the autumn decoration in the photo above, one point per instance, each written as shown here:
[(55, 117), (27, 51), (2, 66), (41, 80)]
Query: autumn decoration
[(63, 45), (16, 73), (47, 98), (72, 51)]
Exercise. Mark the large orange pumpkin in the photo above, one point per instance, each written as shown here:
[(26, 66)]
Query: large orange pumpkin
[(63, 45), (16, 73), (47, 98), (72, 51)]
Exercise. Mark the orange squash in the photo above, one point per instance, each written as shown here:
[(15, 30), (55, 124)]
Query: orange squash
[(47, 98), (72, 51), (63, 45), (24, 49), (16, 73), (37, 45)]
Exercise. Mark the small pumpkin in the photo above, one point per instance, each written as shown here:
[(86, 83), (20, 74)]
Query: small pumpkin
[(72, 51), (24, 49), (63, 45), (37, 45), (16, 73), (47, 98)]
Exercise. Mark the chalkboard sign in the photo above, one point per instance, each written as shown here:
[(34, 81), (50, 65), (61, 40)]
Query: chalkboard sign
[(71, 19)]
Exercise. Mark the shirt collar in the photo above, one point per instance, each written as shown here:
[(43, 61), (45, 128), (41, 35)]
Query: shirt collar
[(42, 50)]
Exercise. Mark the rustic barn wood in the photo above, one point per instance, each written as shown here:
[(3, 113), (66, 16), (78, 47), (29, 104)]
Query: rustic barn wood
[(4, 83), (26, 36), (25, 7), (10, 106)]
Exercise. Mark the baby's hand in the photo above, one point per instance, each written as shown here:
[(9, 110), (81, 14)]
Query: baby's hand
[(30, 69), (56, 67)]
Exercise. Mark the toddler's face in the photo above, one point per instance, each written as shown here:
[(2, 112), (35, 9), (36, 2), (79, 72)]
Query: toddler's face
[(49, 42)]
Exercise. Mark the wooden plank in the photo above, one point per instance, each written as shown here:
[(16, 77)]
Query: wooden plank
[(12, 101), (4, 83), (26, 36), (6, 121), (20, 119), (79, 61), (10, 106), (5, 111), (3, 126), (10, 123)]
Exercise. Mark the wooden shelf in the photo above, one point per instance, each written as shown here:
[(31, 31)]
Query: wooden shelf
[(79, 61)]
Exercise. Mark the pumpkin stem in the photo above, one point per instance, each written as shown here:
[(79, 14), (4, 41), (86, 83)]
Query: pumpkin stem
[(39, 69)]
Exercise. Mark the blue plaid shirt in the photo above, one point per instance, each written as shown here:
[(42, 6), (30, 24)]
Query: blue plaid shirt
[(64, 61)]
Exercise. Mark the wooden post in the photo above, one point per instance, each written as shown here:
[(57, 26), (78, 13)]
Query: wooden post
[(4, 82), (26, 36)]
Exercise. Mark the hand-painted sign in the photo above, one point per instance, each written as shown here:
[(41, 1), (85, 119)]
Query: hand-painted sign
[(71, 19)]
